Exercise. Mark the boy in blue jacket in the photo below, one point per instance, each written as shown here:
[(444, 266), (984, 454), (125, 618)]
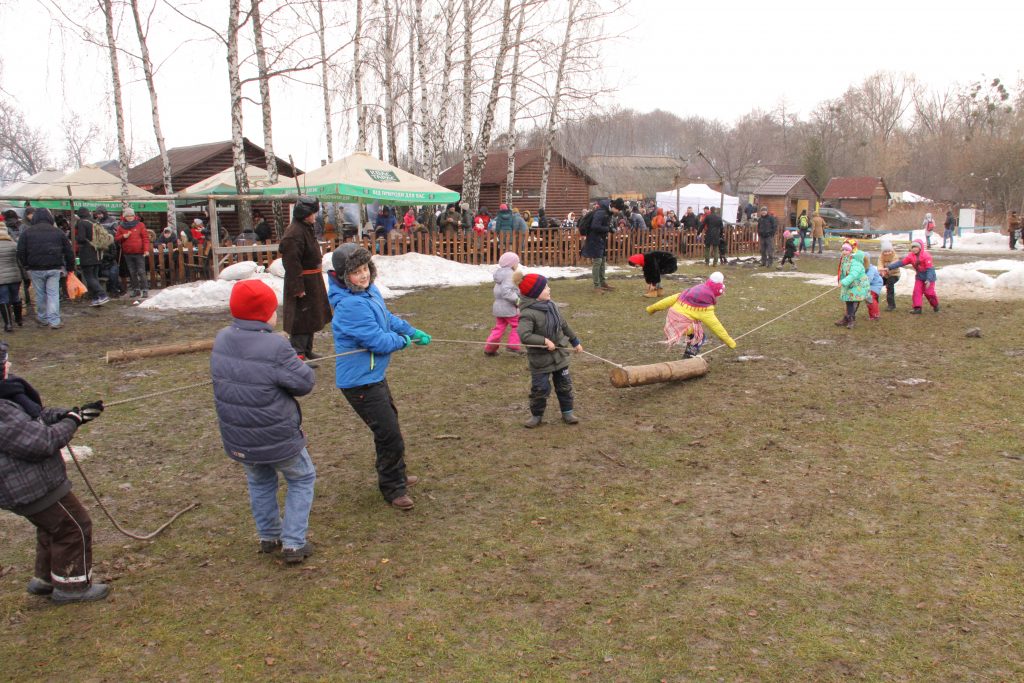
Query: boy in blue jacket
[(363, 322), (256, 377)]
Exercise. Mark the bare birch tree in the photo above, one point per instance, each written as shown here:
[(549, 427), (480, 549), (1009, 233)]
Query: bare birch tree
[(106, 6), (147, 71), (388, 57), (235, 91), (513, 104), (444, 93), (362, 139), (556, 96), (263, 76), (325, 82)]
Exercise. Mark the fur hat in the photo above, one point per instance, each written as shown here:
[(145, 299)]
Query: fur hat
[(83, 212), (509, 259), (532, 285), (346, 259), (305, 207), (252, 300), (716, 283)]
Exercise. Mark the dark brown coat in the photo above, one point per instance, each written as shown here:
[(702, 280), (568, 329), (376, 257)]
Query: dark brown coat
[(300, 251)]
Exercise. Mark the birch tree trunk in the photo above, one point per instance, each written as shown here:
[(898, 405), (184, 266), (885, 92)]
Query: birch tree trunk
[(446, 79), (324, 81), (235, 90), (468, 191), (487, 125), (389, 82), (410, 130), (549, 133), (426, 152), (115, 75), (147, 70), (362, 139), (513, 105), (380, 138), (268, 127)]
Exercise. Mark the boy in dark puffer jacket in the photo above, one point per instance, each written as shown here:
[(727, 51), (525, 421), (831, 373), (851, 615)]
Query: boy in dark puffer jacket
[(256, 377), (35, 485), (541, 325)]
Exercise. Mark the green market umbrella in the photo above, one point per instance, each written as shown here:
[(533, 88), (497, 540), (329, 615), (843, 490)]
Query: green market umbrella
[(360, 178), (89, 186)]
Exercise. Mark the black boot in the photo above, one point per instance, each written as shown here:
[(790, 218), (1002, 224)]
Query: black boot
[(17, 314), (5, 311)]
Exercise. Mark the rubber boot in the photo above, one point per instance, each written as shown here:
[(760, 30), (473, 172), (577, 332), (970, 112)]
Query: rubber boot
[(533, 422), (5, 311), (39, 586), (17, 314), (570, 419), (65, 596)]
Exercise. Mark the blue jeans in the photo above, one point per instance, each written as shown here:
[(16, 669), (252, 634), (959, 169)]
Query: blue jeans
[(46, 284), (300, 475)]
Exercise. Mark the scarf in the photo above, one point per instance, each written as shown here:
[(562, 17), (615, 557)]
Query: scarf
[(24, 394), (552, 318)]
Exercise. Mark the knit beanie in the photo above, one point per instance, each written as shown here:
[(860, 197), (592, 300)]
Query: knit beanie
[(716, 283), (129, 213), (509, 259), (846, 248), (532, 285), (503, 207), (252, 300), (637, 260), (885, 244)]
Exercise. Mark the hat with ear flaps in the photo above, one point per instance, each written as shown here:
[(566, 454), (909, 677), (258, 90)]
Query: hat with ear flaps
[(716, 283), (349, 257)]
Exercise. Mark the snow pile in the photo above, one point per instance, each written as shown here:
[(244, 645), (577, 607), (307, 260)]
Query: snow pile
[(970, 241), (81, 452), (958, 281), (396, 275)]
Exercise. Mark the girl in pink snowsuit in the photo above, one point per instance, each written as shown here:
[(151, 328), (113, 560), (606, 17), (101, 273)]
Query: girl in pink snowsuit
[(924, 283), (506, 306)]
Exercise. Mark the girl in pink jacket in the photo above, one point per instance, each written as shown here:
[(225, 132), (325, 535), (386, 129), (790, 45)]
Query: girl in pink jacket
[(924, 284)]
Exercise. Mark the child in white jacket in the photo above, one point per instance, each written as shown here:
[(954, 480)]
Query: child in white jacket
[(506, 306)]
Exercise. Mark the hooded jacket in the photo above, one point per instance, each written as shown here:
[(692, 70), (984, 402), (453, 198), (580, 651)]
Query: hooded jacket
[(503, 222), (532, 332), (256, 377), (921, 262), (133, 237), (853, 277), (696, 303), (596, 244), (506, 294), (43, 246), (362, 321), (10, 273)]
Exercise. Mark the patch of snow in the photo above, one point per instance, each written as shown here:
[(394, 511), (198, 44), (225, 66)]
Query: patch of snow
[(81, 452), (242, 270), (912, 381), (396, 275), (747, 359)]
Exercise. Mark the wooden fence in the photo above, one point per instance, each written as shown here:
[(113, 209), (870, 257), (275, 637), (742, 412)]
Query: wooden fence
[(169, 265)]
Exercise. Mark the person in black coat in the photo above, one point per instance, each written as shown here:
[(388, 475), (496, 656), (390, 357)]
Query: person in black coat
[(88, 257), (45, 252), (596, 245), (767, 226), (713, 233), (655, 264)]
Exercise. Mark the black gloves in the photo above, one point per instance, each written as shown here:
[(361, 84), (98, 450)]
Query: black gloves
[(87, 413)]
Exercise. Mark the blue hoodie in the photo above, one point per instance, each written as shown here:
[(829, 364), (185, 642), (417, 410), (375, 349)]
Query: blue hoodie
[(362, 321), (875, 282)]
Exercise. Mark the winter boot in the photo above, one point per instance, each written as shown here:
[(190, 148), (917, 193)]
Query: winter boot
[(17, 315), (935, 308), (916, 310), (65, 596), (652, 292), (297, 555), (534, 421), (842, 322), (270, 547), (849, 324), (5, 311), (39, 586), (570, 419)]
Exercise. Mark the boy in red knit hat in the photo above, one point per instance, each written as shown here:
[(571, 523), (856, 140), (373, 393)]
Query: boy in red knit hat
[(549, 338), (256, 377)]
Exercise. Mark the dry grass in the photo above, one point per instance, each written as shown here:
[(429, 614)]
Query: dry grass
[(802, 517)]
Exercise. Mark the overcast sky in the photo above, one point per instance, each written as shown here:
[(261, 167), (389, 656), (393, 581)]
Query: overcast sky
[(715, 59)]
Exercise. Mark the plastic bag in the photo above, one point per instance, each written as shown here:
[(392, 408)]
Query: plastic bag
[(76, 289)]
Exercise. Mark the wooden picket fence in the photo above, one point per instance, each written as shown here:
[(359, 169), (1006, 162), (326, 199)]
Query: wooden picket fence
[(171, 265)]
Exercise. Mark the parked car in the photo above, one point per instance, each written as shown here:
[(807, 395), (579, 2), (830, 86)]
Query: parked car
[(839, 220)]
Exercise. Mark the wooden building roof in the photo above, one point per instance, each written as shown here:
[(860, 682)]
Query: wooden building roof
[(191, 164), (496, 167), (853, 187)]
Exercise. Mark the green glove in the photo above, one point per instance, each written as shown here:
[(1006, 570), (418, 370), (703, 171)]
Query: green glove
[(421, 337), (407, 339)]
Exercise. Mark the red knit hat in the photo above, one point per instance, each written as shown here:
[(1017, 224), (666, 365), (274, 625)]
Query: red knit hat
[(636, 260), (532, 285), (252, 300)]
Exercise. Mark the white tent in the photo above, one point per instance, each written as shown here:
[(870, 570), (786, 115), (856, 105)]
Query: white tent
[(697, 195)]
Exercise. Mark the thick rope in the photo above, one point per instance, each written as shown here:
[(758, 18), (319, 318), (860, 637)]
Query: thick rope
[(129, 534), (779, 317), (526, 346)]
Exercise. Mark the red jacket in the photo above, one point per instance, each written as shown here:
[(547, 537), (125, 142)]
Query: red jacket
[(133, 237)]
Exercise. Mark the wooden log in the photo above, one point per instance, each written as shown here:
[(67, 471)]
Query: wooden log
[(154, 351), (636, 375)]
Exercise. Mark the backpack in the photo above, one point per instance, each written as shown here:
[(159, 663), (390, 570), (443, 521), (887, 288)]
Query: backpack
[(584, 223), (101, 238)]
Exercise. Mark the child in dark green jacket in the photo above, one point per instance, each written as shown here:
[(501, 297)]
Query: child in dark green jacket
[(548, 338)]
